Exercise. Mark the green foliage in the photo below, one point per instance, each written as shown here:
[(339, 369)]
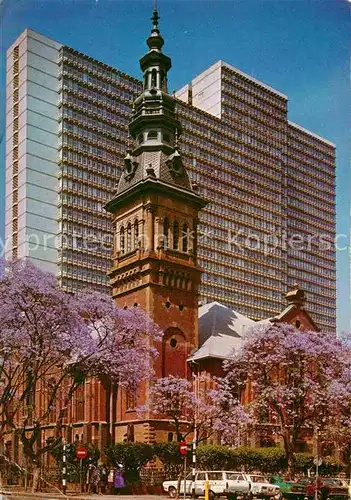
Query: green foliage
[(73, 464), (172, 460), (267, 460), (330, 466), (221, 457), (132, 456), (214, 457)]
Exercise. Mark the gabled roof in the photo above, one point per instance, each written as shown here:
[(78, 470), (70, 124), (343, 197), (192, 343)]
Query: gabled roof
[(286, 314), (220, 331)]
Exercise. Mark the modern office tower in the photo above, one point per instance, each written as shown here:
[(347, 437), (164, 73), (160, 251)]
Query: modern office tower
[(67, 119), (266, 178), (271, 183)]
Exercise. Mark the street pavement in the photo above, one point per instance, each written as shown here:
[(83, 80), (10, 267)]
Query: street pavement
[(54, 496)]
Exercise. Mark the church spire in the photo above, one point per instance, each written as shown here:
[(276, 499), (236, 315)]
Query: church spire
[(156, 156)]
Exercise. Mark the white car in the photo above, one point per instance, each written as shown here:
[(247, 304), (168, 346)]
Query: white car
[(221, 483), (260, 487)]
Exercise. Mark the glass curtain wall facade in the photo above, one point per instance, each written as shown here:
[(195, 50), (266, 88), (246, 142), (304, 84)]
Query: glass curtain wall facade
[(94, 111), (266, 179)]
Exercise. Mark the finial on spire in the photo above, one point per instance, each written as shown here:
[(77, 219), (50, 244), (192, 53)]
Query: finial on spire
[(155, 40), (155, 17)]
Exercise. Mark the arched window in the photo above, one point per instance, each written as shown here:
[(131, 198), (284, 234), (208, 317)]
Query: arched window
[(51, 386), (153, 78), (162, 80), (165, 232), (129, 237), (136, 233), (185, 238), (122, 246), (175, 235), (152, 134)]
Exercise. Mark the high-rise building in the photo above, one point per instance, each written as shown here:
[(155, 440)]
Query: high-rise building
[(270, 183), (66, 136)]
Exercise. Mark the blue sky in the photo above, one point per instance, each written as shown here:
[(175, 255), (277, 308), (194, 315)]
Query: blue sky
[(300, 47)]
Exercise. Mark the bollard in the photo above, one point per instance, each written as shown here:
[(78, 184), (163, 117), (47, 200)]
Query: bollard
[(207, 490)]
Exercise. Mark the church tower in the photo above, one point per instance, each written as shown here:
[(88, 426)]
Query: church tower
[(155, 214)]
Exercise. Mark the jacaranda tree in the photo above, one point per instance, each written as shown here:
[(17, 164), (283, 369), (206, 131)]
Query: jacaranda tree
[(51, 342), (300, 380), (213, 411)]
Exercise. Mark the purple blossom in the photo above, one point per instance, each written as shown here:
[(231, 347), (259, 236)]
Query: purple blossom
[(52, 341), (214, 410), (301, 378)]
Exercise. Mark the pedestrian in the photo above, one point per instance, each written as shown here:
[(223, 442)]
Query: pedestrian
[(119, 479), (103, 478), (87, 479), (94, 479), (111, 480)]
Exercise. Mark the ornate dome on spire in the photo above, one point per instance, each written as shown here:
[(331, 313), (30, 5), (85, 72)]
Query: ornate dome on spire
[(155, 40)]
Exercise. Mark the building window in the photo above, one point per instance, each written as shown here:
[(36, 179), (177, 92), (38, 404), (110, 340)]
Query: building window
[(51, 400), (152, 134), (79, 406), (130, 399), (136, 233), (129, 237), (122, 240), (153, 78), (185, 237), (175, 235), (165, 232)]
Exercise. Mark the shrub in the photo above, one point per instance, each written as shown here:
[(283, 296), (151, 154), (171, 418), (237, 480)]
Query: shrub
[(214, 457), (132, 456), (73, 464), (172, 460)]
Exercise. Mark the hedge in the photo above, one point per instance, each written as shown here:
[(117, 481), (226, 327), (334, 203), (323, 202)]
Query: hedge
[(134, 456)]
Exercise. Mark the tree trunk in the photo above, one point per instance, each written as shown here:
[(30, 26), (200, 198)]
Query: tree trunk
[(289, 453), (291, 465), (36, 478)]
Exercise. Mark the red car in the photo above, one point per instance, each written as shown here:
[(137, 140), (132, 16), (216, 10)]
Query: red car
[(327, 488)]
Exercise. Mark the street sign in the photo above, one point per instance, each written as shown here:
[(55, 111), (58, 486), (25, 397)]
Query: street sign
[(81, 452), (183, 448), (318, 461)]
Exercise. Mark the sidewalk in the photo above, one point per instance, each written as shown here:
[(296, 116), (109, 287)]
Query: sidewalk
[(19, 495)]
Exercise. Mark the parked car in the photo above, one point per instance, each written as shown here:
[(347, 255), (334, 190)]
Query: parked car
[(225, 483), (260, 487), (221, 483), (327, 488), (289, 489)]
